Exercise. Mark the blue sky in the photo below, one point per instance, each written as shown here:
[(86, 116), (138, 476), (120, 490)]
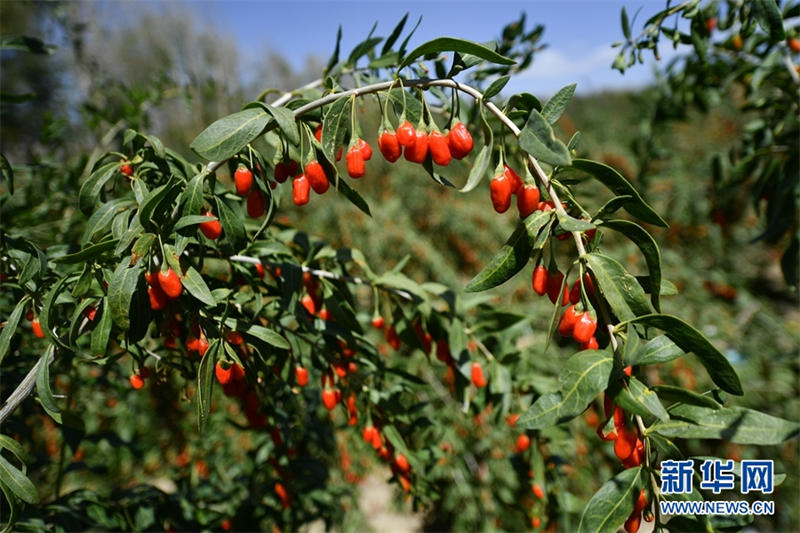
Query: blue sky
[(579, 33)]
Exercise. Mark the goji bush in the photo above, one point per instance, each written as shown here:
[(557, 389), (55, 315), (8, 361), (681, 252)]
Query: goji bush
[(192, 290)]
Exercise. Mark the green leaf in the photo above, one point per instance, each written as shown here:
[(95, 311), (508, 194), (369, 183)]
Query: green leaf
[(512, 257), (205, 374), (479, 167), (639, 399), (232, 223), (354, 196), (363, 48), (192, 196), (621, 187), (450, 44), (90, 252), (620, 289), (229, 135), (48, 309), (691, 340), (626, 26), (14, 447), (286, 122), (613, 503), (192, 220), (335, 56), (649, 248), (27, 44), (259, 332), (91, 188), (43, 387), (120, 293), (387, 46), (102, 331), (733, 424), (556, 105), (13, 478), (770, 19), (585, 375), (7, 172), (495, 87), (197, 287), (11, 326), (538, 139), (657, 350), (568, 223), (335, 122), (672, 393), (100, 219)]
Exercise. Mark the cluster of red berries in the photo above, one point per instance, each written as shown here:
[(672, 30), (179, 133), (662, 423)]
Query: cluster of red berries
[(635, 518), (398, 462), (166, 285), (575, 321), (508, 184), (628, 447), (415, 144)]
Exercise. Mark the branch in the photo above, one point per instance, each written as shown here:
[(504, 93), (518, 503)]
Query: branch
[(24, 388)]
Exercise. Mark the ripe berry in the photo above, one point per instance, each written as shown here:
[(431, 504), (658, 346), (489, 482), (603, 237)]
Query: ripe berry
[(585, 327), (500, 188), (405, 483), (406, 135), (355, 163), (309, 304), (389, 146), (378, 322), (256, 203), (794, 44), (537, 491), (137, 381), (527, 200), (365, 148), (591, 344), (418, 151), (90, 312), (567, 322), (460, 141), (37, 328), (316, 177), (126, 168), (329, 399), (285, 170), (280, 490), (301, 375), (170, 283), (539, 280), (625, 443), (711, 24), (511, 420), (401, 463), (158, 300), (641, 502), (554, 281), (223, 374), (211, 229), (632, 523), (237, 372), (300, 189), (478, 378), (536, 522), (392, 338), (736, 42), (523, 443), (235, 338), (243, 179), (516, 181), (202, 346), (440, 150)]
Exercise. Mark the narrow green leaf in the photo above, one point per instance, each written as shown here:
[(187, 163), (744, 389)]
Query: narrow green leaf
[(613, 503), (479, 167), (197, 287), (585, 375), (556, 105), (26, 43), (691, 340), (120, 293), (88, 253), (7, 172), (48, 310), (649, 248), (335, 56), (102, 331), (286, 122), (387, 46), (205, 374), (20, 485), (733, 424), (450, 44), (626, 25), (639, 399), (192, 196), (192, 220), (621, 187), (354, 196), (620, 289), (538, 139), (512, 257), (657, 350), (232, 223), (11, 326), (495, 87), (229, 135), (14, 447), (46, 398), (672, 393), (770, 19), (158, 205), (568, 223), (362, 49), (91, 188), (336, 120), (267, 335)]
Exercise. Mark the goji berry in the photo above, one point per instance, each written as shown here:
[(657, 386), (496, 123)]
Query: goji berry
[(440, 150), (478, 378), (300, 188), (316, 177), (170, 283), (243, 180), (460, 141), (355, 163), (418, 151), (527, 200), (256, 203), (389, 146), (500, 188), (211, 229), (406, 135)]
